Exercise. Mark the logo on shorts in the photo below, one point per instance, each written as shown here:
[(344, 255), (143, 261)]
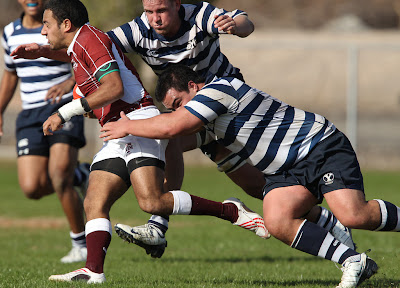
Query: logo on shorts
[(23, 142), (128, 148), (328, 178), (68, 126)]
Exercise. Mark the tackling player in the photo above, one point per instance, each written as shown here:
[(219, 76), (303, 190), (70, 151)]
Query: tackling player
[(168, 33), (303, 154)]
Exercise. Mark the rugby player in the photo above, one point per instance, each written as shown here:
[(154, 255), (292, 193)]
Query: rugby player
[(45, 164), (304, 156)]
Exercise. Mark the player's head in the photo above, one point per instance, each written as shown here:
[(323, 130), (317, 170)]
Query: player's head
[(163, 16), (61, 20), (32, 8), (177, 85), (74, 10)]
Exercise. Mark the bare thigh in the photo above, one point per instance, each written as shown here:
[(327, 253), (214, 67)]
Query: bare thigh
[(351, 208), (147, 183), (104, 189)]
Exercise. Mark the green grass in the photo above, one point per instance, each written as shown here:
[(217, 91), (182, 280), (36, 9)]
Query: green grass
[(202, 251)]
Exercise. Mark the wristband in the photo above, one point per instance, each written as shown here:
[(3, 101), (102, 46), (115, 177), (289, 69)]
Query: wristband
[(71, 109), (85, 105), (59, 115)]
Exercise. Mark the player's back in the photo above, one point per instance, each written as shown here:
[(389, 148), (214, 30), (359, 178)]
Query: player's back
[(269, 133)]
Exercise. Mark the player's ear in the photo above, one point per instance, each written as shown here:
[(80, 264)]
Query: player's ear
[(67, 25), (192, 86)]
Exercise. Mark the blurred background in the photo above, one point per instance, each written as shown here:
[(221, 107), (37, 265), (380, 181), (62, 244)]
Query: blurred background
[(339, 58)]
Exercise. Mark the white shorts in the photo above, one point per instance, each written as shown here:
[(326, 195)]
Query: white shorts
[(131, 147)]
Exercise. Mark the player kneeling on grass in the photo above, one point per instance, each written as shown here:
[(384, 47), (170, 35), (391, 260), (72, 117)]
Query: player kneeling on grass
[(110, 85), (303, 155)]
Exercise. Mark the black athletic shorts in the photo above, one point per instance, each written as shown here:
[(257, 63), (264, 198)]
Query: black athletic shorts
[(330, 166), (29, 131)]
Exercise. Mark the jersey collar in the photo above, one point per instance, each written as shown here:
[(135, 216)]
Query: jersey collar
[(70, 47)]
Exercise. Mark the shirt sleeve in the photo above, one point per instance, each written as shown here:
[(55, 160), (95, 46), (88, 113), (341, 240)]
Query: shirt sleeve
[(207, 14), (99, 56), (8, 60), (126, 36), (212, 101)]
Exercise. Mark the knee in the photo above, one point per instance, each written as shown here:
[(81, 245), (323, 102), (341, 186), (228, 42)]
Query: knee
[(274, 224), (150, 206), (354, 220), (32, 190), (60, 181)]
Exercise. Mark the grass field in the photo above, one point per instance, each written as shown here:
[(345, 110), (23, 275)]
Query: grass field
[(202, 251)]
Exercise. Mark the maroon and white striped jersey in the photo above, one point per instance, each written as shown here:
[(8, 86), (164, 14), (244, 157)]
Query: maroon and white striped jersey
[(93, 55)]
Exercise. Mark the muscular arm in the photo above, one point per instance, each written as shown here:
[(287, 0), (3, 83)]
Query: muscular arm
[(34, 51), (110, 90), (240, 25), (164, 126), (244, 27), (7, 88)]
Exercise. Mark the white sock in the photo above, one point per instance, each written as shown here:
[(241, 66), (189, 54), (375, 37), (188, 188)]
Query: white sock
[(98, 224), (182, 203)]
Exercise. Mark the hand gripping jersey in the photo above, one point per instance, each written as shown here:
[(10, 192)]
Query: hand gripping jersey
[(270, 134), (94, 55), (196, 45)]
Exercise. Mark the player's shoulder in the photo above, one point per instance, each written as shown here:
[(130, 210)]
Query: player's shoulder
[(11, 27), (90, 35)]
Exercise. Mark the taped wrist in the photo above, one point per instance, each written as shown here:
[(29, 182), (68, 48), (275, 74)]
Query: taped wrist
[(72, 109)]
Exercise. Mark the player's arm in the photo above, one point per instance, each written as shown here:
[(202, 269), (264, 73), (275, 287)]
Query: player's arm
[(56, 92), (110, 90), (240, 25), (34, 51), (164, 126), (8, 85)]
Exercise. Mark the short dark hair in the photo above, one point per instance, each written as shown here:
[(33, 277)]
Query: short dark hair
[(74, 10), (177, 77)]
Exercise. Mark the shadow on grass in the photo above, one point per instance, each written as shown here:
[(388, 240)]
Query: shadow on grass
[(231, 259)]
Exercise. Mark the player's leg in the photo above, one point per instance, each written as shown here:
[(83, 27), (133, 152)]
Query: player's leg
[(283, 210), (33, 177), (62, 162), (63, 159), (108, 181), (330, 170)]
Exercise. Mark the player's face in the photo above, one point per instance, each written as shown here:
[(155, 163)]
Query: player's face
[(52, 31), (33, 8), (176, 99), (163, 16)]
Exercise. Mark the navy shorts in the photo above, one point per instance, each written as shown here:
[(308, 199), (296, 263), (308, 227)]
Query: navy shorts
[(29, 131), (330, 166)]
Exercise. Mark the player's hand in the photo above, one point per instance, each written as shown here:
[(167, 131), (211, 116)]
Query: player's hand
[(27, 51), (225, 23), (115, 130), (56, 92), (53, 123)]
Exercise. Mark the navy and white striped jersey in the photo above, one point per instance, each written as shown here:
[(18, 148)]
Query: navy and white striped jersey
[(196, 45), (37, 76), (270, 134)]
